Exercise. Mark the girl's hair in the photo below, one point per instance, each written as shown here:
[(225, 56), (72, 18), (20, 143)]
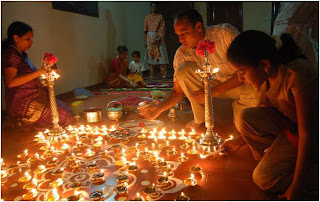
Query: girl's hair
[(122, 49), (16, 28), (137, 53), (250, 47)]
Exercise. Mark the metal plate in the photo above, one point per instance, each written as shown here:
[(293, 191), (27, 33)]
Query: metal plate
[(123, 133)]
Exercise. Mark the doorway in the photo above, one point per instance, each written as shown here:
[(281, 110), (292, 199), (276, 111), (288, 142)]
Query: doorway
[(225, 12)]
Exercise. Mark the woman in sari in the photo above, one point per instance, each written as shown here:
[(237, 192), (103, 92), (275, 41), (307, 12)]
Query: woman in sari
[(154, 29), (117, 77), (27, 100)]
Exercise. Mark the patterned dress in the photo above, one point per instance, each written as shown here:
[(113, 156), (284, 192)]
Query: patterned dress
[(155, 27), (27, 105)]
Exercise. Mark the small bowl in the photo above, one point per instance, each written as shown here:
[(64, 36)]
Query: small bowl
[(114, 114), (92, 114)]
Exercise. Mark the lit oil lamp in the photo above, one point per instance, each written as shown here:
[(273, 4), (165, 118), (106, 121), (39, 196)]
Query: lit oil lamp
[(104, 153), (120, 155), (4, 174), (152, 135), (90, 153), (182, 197), (2, 163), (182, 137), (138, 198), (190, 181), (143, 142), (69, 128), (144, 153), (123, 177), (57, 183), (184, 146), (92, 165), (98, 176), (192, 151), (133, 149), (96, 132), (30, 195), (75, 165), (166, 170), (189, 140), (65, 146), (183, 158), (133, 166), (74, 197), (124, 140), (64, 138), (172, 151), (39, 138), (161, 136), (104, 128), (116, 147), (54, 195), (46, 147), (41, 169), (202, 156), (196, 169), (97, 144), (88, 128), (52, 162), (49, 153), (173, 135), (173, 132), (121, 162), (15, 165), (153, 159), (112, 129), (150, 190), (142, 136), (31, 184), (162, 163), (163, 179), (58, 171), (193, 132), (122, 188), (98, 139), (25, 178), (182, 132), (24, 155), (71, 158)]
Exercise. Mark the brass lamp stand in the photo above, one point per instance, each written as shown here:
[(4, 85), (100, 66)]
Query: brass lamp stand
[(210, 139)]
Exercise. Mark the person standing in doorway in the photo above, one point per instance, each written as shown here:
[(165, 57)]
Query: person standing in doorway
[(154, 29)]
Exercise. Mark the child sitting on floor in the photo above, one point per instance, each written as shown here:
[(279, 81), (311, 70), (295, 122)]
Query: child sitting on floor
[(136, 65), (135, 78)]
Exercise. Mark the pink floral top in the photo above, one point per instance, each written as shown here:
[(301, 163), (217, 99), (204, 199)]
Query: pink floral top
[(154, 22)]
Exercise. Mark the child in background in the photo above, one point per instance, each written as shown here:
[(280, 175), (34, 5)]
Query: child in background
[(136, 79), (136, 65)]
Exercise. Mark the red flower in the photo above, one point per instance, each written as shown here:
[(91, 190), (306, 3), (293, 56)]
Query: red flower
[(142, 124), (208, 45), (49, 58)]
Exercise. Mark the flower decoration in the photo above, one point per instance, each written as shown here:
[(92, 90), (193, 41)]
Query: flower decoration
[(49, 59), (207, 45)]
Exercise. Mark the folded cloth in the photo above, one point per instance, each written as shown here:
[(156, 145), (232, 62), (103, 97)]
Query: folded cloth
[(81, 91)]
